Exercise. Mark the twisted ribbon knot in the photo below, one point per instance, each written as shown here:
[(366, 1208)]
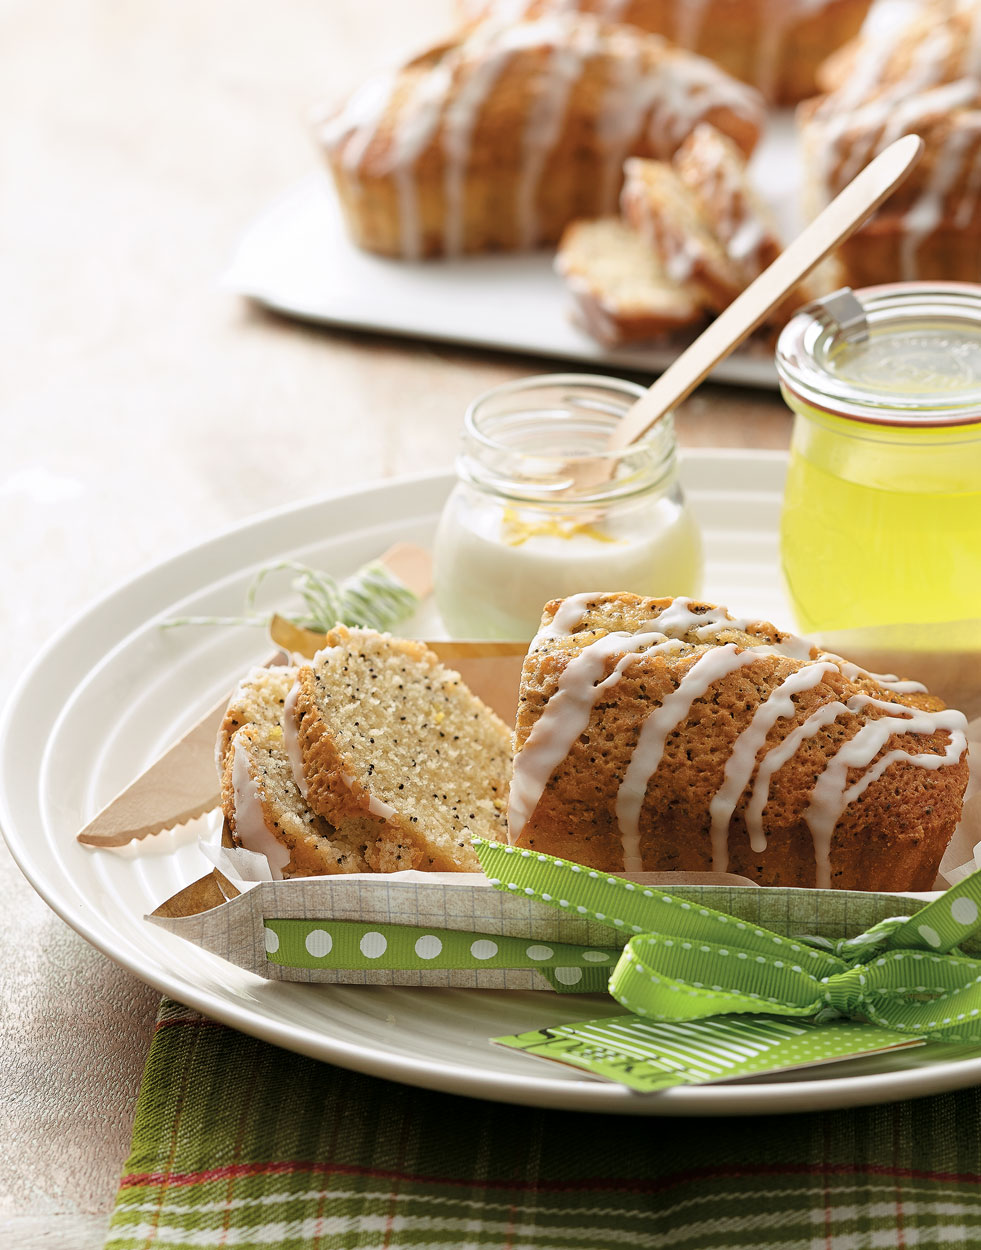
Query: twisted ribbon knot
[(683, 961)]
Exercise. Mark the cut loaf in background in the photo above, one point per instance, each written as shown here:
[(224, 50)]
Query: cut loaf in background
[(499, 137)]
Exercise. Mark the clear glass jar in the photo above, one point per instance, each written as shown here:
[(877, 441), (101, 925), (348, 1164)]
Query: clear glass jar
[(518, 530), (882, 510)]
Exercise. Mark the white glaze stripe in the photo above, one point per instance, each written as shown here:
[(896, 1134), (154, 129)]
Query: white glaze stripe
[(566, 716), (775, 759), (291, 741), (376, 807), (462, 113), (707, 670), (249, 824), (832, 794), (417, 124), (889, 681), (739, 767)]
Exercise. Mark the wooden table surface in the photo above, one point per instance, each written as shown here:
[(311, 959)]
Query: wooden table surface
[(143, 408)]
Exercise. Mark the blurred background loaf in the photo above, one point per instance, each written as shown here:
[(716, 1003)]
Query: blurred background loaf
[(776, 45)]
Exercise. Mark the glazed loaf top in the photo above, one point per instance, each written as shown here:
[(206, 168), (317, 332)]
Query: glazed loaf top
[(505, 97), (680, 693), (922, 77)]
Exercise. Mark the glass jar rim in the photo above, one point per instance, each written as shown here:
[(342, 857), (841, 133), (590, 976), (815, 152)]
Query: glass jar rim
[(644, 463), (810, 336)]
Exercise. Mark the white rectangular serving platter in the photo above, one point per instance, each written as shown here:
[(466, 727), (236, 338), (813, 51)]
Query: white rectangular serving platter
[(296, 259)]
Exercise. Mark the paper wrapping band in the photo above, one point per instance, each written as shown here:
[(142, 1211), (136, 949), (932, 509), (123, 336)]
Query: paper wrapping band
[(686, 962)]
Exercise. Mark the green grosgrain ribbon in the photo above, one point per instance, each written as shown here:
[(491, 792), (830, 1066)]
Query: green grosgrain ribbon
[(685, 962)]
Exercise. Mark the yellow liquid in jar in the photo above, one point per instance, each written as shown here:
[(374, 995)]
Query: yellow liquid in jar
[(881, 528)]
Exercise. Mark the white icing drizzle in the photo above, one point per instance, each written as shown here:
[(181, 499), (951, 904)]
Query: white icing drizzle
[(775, 759), (447, 98), (459, 122), (688, 87), (568, 615), (868, 112), (249, 823), (417, 124), (832, 794), (926, 214), (888, 681), (620, 119), (566, 715), (357, 123), (291, 741), (739, 767), (546, 118), (706, 670)]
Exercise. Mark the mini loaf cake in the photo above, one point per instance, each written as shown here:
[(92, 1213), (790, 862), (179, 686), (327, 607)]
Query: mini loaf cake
[(499, 138), (377, 728), (777, 45), (922, 77), (663, 734)]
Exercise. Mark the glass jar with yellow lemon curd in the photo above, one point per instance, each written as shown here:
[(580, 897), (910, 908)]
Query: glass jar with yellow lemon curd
[(882, 511)]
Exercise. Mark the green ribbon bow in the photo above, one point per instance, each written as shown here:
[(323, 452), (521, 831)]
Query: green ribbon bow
[(685, 962)]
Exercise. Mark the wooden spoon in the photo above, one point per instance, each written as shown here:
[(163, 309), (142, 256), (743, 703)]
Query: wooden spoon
[(832, 226)]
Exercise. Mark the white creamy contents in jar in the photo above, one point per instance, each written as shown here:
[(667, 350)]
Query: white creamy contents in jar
[(547, 505), (499, 562)]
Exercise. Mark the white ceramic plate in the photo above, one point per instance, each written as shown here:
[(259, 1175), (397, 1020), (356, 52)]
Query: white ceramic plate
[(114, 689), (296, 258)]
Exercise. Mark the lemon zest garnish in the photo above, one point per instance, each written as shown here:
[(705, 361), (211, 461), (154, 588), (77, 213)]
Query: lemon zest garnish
[(515, 530)]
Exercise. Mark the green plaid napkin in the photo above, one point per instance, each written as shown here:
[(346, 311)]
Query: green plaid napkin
[(238, 1143)]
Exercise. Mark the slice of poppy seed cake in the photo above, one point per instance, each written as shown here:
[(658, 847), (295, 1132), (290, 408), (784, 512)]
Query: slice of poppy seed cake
[(264, 809), (383, 728)]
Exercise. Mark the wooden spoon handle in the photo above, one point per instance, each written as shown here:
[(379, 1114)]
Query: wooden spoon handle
[(832, 226)]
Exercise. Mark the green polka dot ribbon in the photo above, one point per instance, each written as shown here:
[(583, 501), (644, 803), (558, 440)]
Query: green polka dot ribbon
[(686, 962), (351, 944)]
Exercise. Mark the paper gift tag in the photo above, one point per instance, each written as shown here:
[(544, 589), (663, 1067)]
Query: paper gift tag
[(647, 1055)]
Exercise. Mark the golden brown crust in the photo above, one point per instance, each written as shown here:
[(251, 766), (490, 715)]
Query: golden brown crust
[(891, 837)]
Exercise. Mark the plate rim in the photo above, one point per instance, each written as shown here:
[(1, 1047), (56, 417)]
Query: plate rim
[(464, 1078)]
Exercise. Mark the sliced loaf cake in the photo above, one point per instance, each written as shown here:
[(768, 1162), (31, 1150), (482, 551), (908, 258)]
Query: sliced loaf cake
[(262, 805)]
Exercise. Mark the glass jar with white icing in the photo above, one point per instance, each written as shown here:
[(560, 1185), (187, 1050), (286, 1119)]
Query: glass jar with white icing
[(522, 526)]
